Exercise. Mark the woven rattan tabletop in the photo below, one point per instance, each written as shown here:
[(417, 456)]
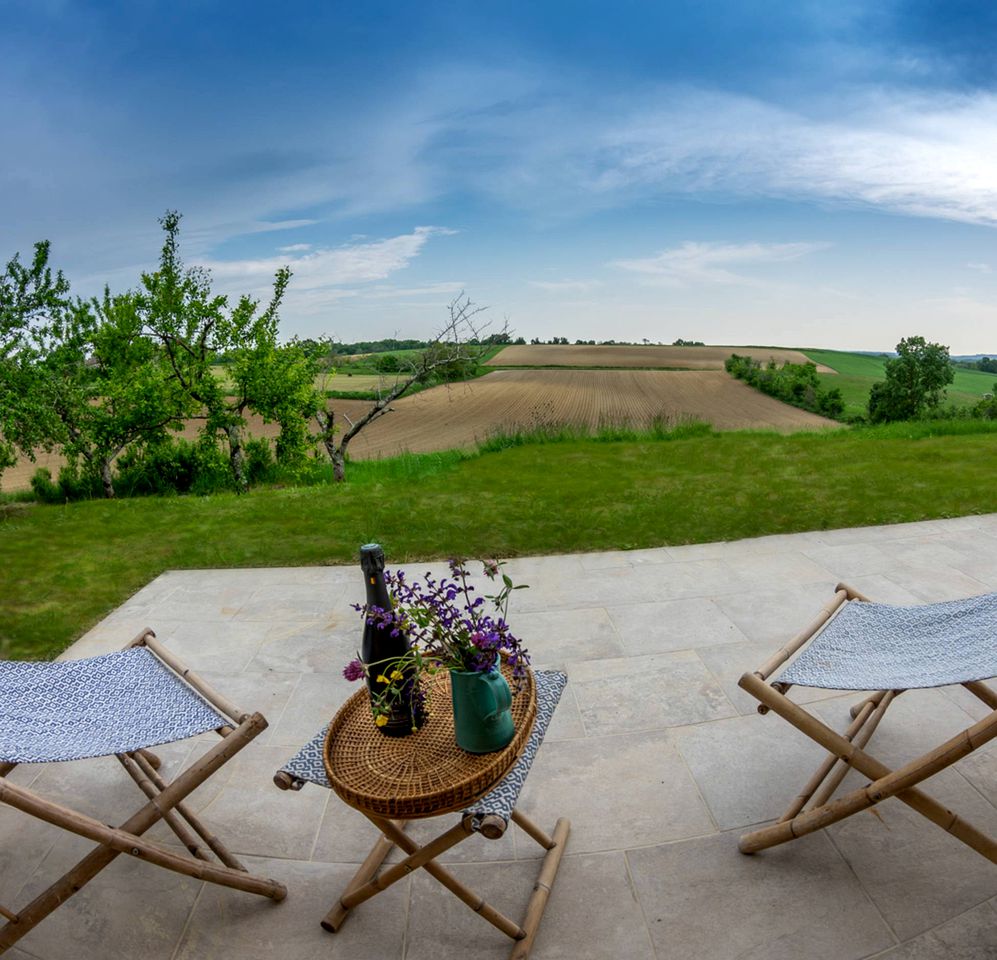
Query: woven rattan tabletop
[(423, 774)]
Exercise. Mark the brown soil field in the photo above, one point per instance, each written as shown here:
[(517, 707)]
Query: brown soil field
[(688, 358), (507, 400)]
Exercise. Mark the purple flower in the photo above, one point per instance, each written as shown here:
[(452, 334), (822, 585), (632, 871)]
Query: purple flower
[(353, 670), (447, 625)]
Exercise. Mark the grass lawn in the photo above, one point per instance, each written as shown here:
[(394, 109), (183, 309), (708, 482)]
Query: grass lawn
[(858, 372), (66, 567)]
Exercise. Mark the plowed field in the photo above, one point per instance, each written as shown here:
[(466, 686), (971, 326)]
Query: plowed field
[(676, 358), (522, 399), (507, 400)]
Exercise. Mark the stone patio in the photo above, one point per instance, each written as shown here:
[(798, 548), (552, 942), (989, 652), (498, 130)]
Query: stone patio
[(655, 755)]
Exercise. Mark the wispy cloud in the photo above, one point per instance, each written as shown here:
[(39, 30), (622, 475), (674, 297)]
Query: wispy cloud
[(204, 235), (295, 248), (708, 263), (921, 155), (556, 147), (980, 267), (446, 288), (321, 277), (566, 286)]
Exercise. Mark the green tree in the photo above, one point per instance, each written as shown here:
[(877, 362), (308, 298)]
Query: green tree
[(986, 407), (195, 327), (915, 381), (105, 384), (278, 382), (29, 296)]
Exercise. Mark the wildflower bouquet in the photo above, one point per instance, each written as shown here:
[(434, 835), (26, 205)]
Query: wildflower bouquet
[(449, 627)]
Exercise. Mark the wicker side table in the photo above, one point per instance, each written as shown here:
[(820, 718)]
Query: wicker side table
[(423, 774), (392, 781)]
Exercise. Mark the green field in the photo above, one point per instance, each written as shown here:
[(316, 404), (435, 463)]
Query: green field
[(857, 372), (66, 567), (348, 379), (359, 378)]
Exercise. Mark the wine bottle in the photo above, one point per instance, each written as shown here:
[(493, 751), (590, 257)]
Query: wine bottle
[(380, 649)]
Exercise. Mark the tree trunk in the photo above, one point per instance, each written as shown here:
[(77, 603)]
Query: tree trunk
[(105, 478), (338, 464), (237, 458), (337, 455), (325, 421)]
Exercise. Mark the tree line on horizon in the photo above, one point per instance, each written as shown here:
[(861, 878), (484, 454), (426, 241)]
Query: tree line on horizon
[(913, 387)]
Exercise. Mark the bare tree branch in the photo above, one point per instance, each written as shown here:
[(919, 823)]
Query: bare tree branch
[(459, 341)]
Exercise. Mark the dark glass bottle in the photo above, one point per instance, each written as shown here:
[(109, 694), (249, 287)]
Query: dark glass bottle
[(379, 649)]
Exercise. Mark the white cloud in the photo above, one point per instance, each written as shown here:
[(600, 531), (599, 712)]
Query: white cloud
[(559, 148), (980, 267), (920, 155), (295, 248), (351, 263), (446, 288), (699, 263), (203, 236), (322, 277), (566, 286)]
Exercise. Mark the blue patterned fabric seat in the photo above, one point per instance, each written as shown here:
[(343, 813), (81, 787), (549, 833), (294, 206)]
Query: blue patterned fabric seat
[(306, 765), (112, 704), (120, 704), (876, 646)]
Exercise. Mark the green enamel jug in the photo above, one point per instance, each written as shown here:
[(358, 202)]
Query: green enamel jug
[(481, 710)]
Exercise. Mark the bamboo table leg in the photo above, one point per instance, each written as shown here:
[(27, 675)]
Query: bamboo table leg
[(336, 917), (366, 883), (545, 882), (476, 902)]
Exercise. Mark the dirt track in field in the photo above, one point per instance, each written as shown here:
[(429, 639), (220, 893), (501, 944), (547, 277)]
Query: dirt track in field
[(507, 400), (687, 358)]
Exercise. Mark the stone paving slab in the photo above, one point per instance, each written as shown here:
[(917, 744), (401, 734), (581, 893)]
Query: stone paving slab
[(655, 754)]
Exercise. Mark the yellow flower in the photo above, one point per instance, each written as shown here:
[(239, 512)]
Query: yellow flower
[(381, 678), (380, 720), (397, 675)]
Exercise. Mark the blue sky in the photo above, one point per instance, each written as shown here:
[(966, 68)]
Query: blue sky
[(803, 174)]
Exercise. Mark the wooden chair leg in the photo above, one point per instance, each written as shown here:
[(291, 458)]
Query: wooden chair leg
[(169, 816), (532, 830), (419, 857), (128, 837), (833, 769), (979, 689), (900, 783), (214, 844)]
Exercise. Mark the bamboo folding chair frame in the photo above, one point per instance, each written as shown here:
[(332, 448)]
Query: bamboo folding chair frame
[(165, 802), (814, 808)]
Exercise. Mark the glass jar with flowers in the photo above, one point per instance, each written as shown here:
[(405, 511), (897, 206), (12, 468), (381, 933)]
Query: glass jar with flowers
[(451, 627)]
